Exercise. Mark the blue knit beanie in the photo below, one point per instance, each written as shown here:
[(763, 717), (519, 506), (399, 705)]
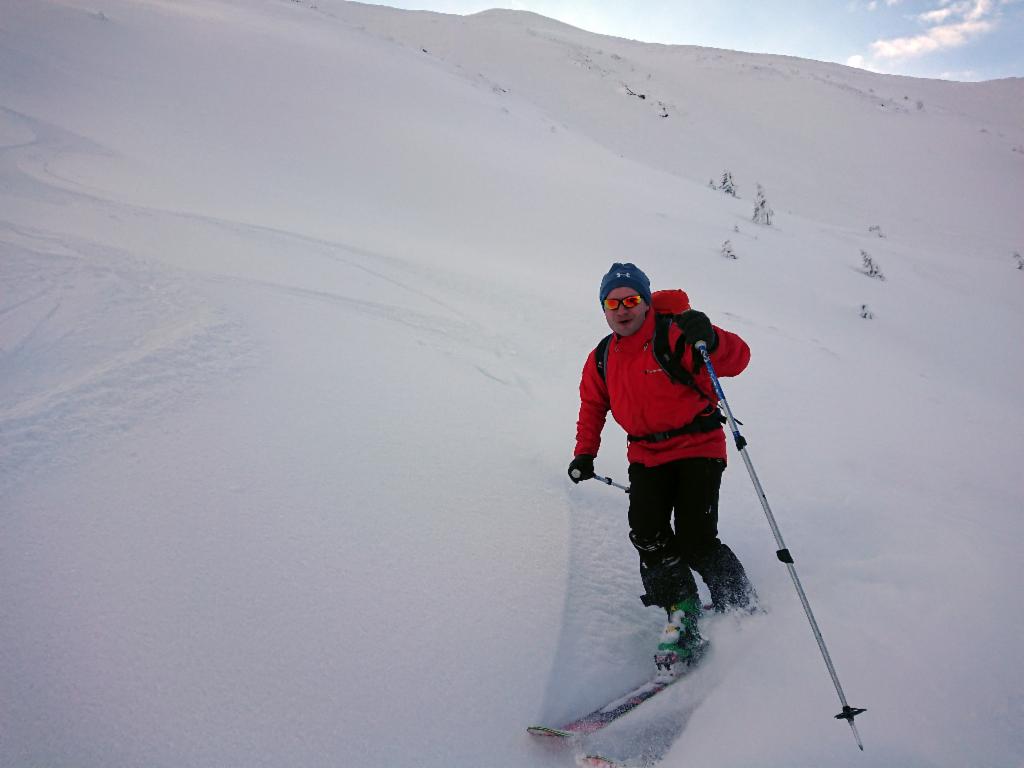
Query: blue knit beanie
[(626, 275)]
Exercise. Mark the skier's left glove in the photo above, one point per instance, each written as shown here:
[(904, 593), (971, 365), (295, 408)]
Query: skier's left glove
[(581, 468), (696, 327)]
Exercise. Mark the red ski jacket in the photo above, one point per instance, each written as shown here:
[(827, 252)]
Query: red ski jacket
[(644, 400)]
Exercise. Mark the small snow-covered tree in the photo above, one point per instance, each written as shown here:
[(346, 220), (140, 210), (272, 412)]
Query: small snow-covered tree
[(727, 251), (762, 211), (727, 184), (1019, 258), (876, 229), (870, 268), (866, 313)]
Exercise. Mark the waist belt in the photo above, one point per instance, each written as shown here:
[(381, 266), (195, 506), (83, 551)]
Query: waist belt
[(705, 422)]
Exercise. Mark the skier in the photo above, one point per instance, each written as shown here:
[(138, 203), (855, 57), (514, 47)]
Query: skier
[(676, 451)]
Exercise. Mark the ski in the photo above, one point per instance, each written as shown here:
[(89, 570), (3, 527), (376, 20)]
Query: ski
[(609, 713), (612, 711)]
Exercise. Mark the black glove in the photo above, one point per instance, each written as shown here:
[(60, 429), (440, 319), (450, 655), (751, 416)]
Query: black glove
[(696, 327), (581, 468)]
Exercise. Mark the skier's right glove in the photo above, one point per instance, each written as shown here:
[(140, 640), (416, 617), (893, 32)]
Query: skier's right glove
[(696, 327), (581, 468)]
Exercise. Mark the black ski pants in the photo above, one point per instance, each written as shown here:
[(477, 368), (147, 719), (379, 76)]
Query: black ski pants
[(673, 521)]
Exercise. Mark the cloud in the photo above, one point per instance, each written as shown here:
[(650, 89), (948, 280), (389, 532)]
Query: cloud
[(937, 16), (963, 75), (935, 39), (860, 62), (952, 24)]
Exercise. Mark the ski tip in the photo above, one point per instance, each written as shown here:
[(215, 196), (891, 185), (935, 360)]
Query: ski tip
[(543, 730)]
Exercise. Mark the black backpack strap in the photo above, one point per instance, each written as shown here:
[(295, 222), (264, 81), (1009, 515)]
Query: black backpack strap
[(708, 421), (601, 355), (671, 362)]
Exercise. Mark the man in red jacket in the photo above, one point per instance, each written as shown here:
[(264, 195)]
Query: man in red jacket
[(676, 452)]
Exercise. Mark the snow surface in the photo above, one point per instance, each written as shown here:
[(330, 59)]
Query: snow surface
[(293, 304)]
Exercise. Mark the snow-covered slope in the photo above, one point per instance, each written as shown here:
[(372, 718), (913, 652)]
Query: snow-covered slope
[(294, 302)]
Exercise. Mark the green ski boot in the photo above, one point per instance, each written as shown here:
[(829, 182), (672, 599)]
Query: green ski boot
[(680, 645)]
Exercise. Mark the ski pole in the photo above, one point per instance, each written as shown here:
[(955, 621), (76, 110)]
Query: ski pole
[(848, 713), (606, 480)]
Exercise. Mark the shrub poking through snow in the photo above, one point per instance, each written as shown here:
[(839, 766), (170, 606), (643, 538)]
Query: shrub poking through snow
[(727, 184), (866, 313), (870, 268), (727, 251), (762, 211)]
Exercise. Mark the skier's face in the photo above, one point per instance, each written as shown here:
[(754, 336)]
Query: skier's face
[(624, 320)]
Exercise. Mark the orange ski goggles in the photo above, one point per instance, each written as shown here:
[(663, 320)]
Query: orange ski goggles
[(629, 302)]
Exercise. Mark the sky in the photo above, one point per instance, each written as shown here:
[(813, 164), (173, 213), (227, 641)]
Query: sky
[(948, 39)]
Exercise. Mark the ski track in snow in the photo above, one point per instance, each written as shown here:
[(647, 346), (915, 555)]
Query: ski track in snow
[(162, 343), (125, 338), (158, 346), (97, 343)]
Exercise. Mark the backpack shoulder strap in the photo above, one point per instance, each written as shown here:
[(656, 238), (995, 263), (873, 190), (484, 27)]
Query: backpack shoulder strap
[(601, 355), (671, 362)]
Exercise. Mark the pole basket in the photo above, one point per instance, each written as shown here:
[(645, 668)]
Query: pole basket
[(849, 713)]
